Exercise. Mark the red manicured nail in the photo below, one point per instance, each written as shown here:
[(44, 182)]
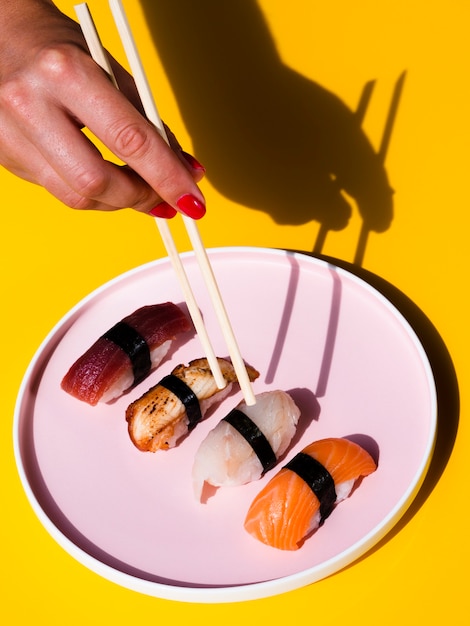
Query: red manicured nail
[(191, 206), (163, 210), (193, 162)]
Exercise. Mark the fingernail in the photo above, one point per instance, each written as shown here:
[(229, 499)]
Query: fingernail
[(163, 210), (191, 206), (193, 162)]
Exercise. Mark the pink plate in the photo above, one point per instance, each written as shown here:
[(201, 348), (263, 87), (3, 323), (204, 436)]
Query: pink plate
[(348, 357)]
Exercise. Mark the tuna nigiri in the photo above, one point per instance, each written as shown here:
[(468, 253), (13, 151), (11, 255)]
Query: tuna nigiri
[(304, 492), (174, 406), (247, 442), (125, 355)]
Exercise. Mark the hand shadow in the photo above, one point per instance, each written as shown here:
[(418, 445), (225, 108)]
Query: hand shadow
[(270, 138)]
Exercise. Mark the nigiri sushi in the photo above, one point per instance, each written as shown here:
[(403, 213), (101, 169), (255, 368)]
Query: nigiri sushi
[(124, 355), (298, 499), (172, 407), (247, 442)]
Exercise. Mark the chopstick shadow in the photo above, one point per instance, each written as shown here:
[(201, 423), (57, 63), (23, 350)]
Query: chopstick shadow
[(446, 382), (330, 335), (270, 138), (285, 320)]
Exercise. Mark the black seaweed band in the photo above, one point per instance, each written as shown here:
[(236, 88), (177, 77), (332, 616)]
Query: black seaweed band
[(253, 435), (134, 345), (317, 478), (187, 396)]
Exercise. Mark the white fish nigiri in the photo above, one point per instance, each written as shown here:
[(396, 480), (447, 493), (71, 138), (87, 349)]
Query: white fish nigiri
[(246, 443)]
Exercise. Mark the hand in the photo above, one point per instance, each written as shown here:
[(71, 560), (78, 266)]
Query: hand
[(50, 89)]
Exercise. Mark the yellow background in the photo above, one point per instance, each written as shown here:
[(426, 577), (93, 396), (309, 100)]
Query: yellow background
[(53, 256)]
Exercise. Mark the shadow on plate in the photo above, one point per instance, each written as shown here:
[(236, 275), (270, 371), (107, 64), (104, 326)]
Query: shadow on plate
[(445, 377)]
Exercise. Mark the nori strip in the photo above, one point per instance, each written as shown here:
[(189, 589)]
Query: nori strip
[(187, 396), (134, 345), (317, 478), (254, 436)]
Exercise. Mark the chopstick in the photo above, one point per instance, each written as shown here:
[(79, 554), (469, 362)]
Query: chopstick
[(93, 40), (97, 52)]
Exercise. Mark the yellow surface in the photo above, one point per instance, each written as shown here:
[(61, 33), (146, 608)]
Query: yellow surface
[(53, 256)]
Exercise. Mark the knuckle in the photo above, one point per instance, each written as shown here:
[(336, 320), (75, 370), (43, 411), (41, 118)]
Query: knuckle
[(146, 201), (53, 65), (132, 140), (68, 196), (90, 183), (57, 63), (74, 200), (14, 97), (79, 203)]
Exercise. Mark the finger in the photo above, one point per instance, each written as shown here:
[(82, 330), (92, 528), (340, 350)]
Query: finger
[(73, 158), (116, 122), (38, 170), (87, 180), (127, 86), (24, 160)]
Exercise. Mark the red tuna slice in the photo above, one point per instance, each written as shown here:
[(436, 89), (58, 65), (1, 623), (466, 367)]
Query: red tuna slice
[(125, 354)]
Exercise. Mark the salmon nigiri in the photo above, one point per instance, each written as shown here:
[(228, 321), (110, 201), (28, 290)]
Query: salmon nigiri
[(304, 492)]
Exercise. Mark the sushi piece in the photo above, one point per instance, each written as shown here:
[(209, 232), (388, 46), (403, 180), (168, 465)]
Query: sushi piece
[(298, 499), (125, 354), (247, 442), (175, 405)]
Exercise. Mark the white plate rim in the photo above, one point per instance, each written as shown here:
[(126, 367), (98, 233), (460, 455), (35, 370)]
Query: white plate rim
[(251, 591)]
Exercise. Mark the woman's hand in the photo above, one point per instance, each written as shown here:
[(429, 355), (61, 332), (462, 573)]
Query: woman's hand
[(50, 89)]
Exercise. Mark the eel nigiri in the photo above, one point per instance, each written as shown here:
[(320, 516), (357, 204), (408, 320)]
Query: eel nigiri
[(174, 406), (247, 442), (298, 499), (125, 355)]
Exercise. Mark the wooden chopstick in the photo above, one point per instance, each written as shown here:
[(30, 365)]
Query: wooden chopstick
[(93, 40), (98, 54), (96, 50)]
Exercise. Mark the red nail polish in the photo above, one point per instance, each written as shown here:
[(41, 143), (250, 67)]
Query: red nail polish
[(191, 206), (163, 210), (193, 162)]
